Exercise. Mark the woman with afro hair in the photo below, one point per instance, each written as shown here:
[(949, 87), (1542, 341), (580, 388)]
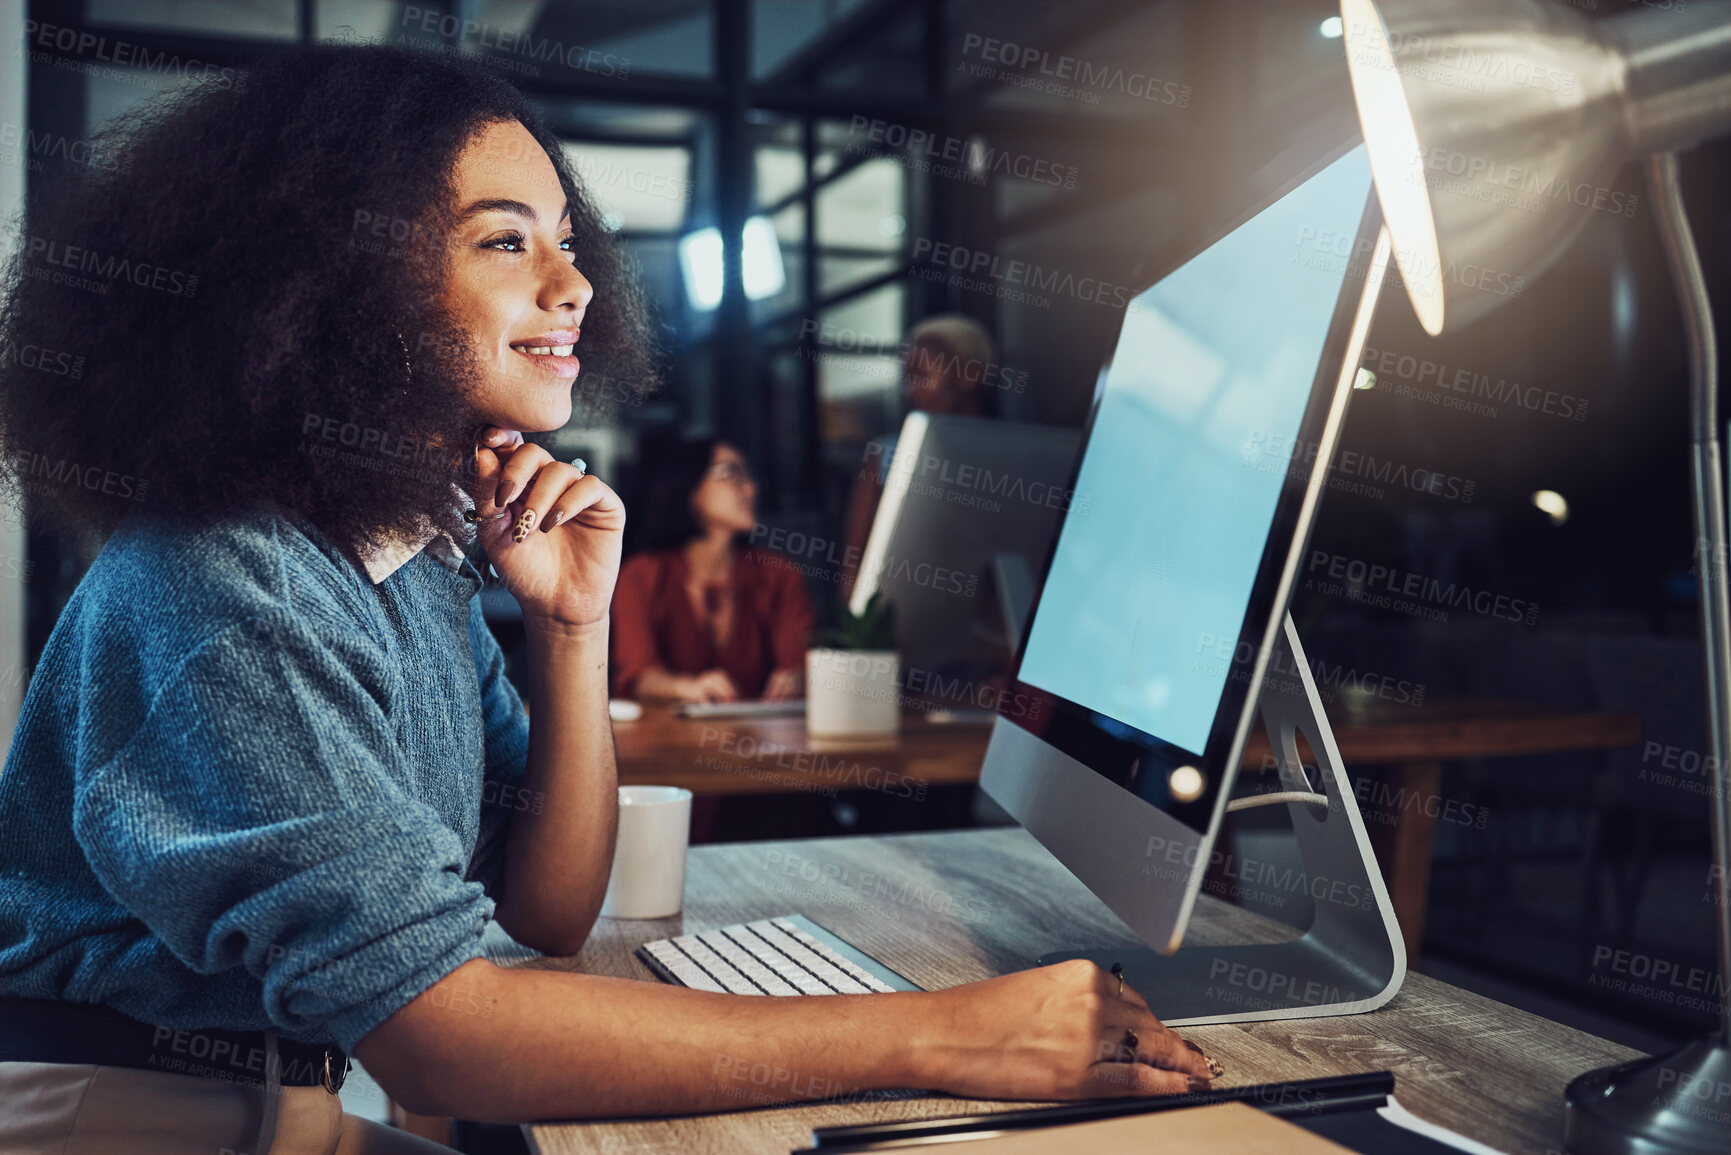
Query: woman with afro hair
[(270, 783)]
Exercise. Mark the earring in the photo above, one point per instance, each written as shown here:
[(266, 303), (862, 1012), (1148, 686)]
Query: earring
[(408, 370)]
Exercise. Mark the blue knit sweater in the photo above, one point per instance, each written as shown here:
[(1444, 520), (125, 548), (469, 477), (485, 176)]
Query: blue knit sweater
[(250, 789)]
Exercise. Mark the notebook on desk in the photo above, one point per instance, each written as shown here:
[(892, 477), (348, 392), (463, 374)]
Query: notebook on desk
[(1343, 1112), (1223, 1129)]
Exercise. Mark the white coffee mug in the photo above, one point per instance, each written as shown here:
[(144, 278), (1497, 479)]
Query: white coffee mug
[(648, 879)]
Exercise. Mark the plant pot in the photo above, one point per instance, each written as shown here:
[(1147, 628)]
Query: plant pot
[(852, 692)]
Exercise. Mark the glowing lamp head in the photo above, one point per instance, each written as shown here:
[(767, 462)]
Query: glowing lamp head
[(1494, 128)]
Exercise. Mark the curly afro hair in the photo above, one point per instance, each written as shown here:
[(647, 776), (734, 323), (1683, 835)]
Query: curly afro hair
[(242, 307)]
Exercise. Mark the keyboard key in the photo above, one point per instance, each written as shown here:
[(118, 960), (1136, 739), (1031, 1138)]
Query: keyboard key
[(747, 964), (870, 981), (664, 952), (719, 967), (864, 976), (693, 976), (776, 961), (809, 958)]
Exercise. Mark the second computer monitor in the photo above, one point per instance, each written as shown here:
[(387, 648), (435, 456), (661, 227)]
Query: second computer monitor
[(965, 499)]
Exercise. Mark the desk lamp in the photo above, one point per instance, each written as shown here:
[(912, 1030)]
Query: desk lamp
[(1469, 107)]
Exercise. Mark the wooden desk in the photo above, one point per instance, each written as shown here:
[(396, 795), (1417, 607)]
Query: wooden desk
[(775, 755), (955, 907)]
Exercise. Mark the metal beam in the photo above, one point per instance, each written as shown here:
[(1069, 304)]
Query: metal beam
[(680, 92), (929, 115), (811, 426), (842, 167), (848, 34), (840, 296), (735, 379)]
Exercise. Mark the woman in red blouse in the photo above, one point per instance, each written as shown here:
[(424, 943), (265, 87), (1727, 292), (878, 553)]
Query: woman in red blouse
[(698, 617)]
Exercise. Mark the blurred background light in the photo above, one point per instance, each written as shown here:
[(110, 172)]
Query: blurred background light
[(700, 260), (1552, 504)]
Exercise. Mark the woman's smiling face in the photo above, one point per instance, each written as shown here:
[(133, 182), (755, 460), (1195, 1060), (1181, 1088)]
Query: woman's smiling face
[(513, 282)]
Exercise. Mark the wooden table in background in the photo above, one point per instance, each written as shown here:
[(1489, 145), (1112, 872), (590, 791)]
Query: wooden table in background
[(1411, 743), (959, 906), (775, 755)]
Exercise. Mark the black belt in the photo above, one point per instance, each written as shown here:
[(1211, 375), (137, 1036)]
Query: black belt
[(50, 1031)]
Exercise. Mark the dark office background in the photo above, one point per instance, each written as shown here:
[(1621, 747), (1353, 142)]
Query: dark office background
[(869, 132)]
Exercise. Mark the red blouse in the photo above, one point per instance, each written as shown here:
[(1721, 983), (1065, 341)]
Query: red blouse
[(654, 623)]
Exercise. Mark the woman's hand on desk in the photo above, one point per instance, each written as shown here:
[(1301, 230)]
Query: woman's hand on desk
[(558, 550), (710, 686), (713, 686), (784, 685), (1057, 1032)]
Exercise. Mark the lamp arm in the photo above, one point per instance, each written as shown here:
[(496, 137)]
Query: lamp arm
[(1708, 481), (1677, 83)]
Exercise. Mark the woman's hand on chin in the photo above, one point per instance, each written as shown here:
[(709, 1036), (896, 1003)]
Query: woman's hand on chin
[(558, 549)]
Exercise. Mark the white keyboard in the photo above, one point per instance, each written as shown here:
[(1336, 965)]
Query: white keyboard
[(775, 956)]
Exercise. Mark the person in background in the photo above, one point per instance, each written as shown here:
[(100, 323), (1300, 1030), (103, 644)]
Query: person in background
[(698, 617), (944, 371)]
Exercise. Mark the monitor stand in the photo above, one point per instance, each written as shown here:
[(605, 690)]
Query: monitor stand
[(1352, 958)]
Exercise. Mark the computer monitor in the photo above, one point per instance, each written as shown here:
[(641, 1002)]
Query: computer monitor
[(965, 499), (1166, 590)]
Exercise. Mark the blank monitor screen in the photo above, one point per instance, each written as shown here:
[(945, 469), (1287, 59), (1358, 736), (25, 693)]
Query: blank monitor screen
[(1213, 367)]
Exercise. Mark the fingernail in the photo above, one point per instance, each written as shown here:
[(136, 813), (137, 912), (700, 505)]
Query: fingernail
[(1214, 1068), (1199, 1084), (524, 525), (558, 516), (504, 494)]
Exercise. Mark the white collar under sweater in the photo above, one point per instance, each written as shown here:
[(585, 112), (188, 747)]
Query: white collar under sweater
[(382, 559)]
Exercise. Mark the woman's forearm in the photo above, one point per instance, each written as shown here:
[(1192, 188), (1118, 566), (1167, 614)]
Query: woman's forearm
[(560, 848), (512, 1045), (515, 1045)]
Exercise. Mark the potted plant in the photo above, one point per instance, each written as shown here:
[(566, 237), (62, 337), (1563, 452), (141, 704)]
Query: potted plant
[(853, 674)]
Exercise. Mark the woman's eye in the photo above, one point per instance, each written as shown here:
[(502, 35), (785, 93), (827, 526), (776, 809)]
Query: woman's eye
[(514, 243)]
